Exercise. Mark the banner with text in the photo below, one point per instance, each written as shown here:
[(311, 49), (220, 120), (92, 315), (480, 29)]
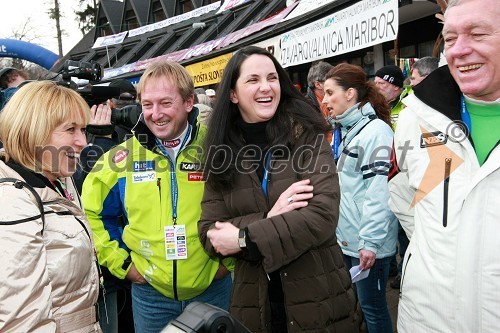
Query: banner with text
[(175, 19), (306, 6), (208, 71), (109, 40), (272, 45), (367, 23), (230, 4)]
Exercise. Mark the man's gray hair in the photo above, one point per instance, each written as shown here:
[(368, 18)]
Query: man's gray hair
[(425, 65), (317, 72), (453, 3)]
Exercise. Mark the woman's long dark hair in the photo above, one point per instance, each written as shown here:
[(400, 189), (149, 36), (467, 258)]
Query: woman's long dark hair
[(224, 141), (352, 76)]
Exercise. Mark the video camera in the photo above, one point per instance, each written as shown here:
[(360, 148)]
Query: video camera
[(126, 116)]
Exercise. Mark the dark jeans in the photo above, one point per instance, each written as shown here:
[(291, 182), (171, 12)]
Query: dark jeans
[(403, 243), (371, 295), (153, 311)]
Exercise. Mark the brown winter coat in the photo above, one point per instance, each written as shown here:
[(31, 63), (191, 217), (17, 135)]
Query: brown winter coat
[(301, 244)]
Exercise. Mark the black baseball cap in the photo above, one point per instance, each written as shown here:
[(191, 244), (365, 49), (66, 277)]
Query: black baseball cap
[(125, 86)]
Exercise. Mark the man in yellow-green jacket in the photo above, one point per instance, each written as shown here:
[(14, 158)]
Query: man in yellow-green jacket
[(153, 182)]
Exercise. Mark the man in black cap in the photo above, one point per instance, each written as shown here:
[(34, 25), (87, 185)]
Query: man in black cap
[(127, 93), (389, 80)]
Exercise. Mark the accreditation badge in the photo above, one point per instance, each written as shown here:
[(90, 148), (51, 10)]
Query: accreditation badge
[(175, 242)]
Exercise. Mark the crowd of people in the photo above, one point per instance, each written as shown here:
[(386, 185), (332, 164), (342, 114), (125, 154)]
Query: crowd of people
[(257, 199)]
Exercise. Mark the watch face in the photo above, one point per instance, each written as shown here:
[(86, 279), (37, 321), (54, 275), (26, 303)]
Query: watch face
[(242, 242), (242, 238)]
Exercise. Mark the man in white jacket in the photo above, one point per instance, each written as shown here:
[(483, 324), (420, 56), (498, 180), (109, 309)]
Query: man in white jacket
[(445, 181)]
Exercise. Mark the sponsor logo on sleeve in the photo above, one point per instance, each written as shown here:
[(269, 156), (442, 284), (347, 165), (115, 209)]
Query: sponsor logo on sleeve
[(120, 155)]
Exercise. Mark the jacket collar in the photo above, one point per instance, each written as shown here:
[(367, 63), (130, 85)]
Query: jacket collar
[(353, 115), (440, 91), (30, 177)]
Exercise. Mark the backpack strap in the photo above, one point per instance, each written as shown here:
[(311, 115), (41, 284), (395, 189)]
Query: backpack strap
[(19, 184)]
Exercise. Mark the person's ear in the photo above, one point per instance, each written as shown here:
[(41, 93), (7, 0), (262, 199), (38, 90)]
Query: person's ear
[(189, 103), (232, 97), (317, 85), (350, 94)]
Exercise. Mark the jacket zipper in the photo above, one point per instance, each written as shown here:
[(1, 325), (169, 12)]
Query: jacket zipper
[(403, 277), (446, 185)]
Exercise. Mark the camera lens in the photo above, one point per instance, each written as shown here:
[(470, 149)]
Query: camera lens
[(126, 116)]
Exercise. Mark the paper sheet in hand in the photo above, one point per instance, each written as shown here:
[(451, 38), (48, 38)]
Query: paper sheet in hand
[(357, 274)]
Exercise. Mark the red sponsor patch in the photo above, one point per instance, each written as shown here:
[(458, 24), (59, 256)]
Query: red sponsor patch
[(171, 143), (195, 176), (120, 155)]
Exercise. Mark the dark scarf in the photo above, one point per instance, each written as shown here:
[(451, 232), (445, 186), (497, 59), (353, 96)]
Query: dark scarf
[(255, 134)]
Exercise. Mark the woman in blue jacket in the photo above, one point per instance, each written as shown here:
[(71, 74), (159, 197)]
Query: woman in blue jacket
[(367, 229)]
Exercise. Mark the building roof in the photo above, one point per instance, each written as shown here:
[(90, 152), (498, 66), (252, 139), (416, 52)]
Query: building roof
[(177, 31)]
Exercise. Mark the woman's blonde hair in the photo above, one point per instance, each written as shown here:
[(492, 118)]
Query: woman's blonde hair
[(32, 114)]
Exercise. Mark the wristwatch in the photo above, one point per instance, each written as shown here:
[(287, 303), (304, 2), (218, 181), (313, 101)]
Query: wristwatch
[(242, 239)]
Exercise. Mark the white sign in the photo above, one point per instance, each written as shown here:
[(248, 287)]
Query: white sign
[(228, 4), (176, 19), (306, 6), (272, 45), (367, 23), (109, 40)]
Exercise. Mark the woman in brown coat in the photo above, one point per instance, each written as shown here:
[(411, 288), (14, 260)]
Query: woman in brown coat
[(271, 200)]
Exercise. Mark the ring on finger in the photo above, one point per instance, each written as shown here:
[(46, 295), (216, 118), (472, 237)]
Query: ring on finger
[(290, 200)]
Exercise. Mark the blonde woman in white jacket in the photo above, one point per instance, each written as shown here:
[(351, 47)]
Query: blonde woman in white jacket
[(49, 274)]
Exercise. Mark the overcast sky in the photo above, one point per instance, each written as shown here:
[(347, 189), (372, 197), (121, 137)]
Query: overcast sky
[(15, 13)]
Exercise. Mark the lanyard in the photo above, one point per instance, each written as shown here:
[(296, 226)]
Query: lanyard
[(465, 115), (336, 143), (266, 173), (174, 188)]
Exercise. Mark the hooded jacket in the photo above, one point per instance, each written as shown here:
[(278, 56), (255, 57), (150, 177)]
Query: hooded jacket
[(300, 245), (49, 274), (448, 206)]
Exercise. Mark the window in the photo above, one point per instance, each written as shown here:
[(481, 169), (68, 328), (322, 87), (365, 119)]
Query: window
[(185, 6), (104, 27), (158, 13), (130, 20)]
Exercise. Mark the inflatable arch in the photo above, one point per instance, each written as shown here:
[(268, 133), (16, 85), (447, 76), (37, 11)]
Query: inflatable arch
[(14, 48)]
